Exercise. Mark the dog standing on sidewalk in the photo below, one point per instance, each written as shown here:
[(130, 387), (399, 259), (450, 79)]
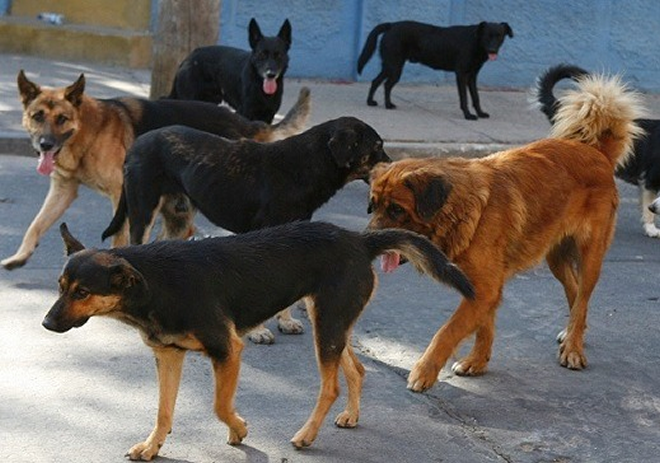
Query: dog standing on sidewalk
[(252, 82)]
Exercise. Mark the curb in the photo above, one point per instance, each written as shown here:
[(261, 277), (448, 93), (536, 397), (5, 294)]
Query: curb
[(15, 144)]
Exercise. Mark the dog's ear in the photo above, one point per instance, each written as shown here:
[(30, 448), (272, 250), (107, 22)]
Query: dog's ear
[(285, 32), (342, 145), (26, 89), (507, 29), (74, 92), (71, 244), (431, 192), (127, 279), (254, 33), (480, 28)]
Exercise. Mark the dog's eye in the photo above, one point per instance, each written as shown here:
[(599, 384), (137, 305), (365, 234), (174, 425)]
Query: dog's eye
[(38, 117), (80, 293), (61, 119), (395, 212)]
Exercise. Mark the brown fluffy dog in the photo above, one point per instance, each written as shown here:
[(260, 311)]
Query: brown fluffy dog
[(496, 216), (83, 140)]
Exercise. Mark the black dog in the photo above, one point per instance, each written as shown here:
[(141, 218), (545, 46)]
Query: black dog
[(250, 82), (461, 49), (203, 295), (244, 185), (642, 167)]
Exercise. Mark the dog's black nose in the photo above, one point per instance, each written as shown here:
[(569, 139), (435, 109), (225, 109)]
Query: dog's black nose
[(46, 144)]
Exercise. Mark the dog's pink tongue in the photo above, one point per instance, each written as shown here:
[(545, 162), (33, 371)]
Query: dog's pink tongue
[(270, 86), (46, 162), (390, 261), (492, 56)]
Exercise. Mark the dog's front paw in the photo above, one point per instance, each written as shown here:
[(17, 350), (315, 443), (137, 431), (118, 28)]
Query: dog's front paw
[(571, 357), (303, 438), (261, 335), (650, 230), (483, 115), (422, 377), (144, 451), (372, 103), (290, 325), (237, 432), (390, 105), (470, 367), (470, 117), (347, 420), (15, 261)]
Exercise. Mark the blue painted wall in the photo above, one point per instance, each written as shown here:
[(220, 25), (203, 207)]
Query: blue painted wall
[(612, 35)]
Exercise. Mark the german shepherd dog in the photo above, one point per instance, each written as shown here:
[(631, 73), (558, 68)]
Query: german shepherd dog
[(499, 215), (83, 140), (461, 49), (252, 82), (237, 282), (642, 167), (244, 185)]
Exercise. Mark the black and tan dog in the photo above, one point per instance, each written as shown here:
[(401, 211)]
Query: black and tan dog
[(461, 49), (236, 283), (83, 140), (244, 185)]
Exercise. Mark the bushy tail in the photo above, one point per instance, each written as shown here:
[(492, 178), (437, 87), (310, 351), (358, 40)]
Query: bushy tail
[(370, 45), (542, 92), (600, 112), (423, 254), (295, 120), (119, 218)]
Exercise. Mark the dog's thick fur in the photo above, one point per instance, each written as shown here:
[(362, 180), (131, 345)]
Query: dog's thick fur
[(642, 167), (461, 49), (499, 215), (244, 185), (83, 140), (203, 295), (252, 81)]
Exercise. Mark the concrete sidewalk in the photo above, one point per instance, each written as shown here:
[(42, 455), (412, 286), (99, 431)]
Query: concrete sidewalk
[(427, 121)]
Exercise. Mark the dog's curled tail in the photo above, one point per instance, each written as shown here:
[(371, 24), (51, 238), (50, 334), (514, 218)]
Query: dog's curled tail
[(542, 93), (295, 119), (600, 112), (118, 220), (370, 45), (422, 253)]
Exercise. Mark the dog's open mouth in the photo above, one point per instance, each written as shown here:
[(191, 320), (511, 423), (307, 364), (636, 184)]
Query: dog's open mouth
[(46, 163), (270, 85)]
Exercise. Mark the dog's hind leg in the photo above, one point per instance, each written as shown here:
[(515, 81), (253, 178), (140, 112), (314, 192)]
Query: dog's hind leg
[(374, 86), (169, 364), (354, 373), (591, 251), (226, 380), (393, 75), (562, 259), (646, 197), (61, 194)]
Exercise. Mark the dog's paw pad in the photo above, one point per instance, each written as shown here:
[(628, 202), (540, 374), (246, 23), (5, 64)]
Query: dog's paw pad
[(261, 336)]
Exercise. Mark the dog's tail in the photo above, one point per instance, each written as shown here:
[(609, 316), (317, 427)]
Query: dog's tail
[(600, 112), (294, 121), (370, 45), (423, 254), (542, 92), (119, 218)]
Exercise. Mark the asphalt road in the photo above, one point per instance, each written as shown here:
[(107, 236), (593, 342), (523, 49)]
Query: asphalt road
[(90, 394)]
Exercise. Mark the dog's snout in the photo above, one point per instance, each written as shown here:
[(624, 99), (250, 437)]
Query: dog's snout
[(271, 74), (46, 144)]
